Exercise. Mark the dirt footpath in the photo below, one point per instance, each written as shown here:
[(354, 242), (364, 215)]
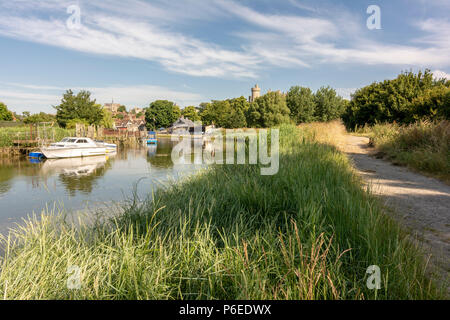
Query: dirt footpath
[(420, 203)]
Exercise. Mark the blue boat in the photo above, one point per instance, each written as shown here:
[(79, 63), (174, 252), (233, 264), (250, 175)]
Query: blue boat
[(151, 138), (36, 155)]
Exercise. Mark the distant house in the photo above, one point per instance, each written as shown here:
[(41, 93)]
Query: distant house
[(186, 125), (182, 124), (130, 125), (137, 110)]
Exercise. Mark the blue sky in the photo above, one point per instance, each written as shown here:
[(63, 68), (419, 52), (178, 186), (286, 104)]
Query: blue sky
[(190, 51)]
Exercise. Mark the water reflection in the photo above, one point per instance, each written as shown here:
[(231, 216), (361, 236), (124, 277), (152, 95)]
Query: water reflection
[(159, 156), (78, 182), (77, 174)]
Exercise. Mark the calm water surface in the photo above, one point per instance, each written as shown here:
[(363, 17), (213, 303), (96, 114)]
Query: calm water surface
[(80, 183)]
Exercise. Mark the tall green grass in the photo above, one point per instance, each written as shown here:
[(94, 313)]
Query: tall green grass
[(424, 145), (308, 232)]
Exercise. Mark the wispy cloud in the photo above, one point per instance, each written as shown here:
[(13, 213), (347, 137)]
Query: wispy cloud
[(107, 33), (156, 32), (35, 98), (314, 40)]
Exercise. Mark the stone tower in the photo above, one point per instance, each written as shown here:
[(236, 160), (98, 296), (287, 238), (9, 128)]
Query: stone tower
[(256, 93)]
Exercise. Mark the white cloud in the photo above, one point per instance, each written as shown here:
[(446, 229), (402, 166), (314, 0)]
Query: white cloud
[(34, 98), (438, 74)]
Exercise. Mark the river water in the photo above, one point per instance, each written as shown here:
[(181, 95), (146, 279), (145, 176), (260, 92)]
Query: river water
[(79, 183)]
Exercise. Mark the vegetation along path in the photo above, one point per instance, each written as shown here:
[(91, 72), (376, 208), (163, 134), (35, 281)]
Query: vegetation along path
[(421, 204)]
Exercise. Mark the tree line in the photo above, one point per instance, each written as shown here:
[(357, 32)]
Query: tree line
[(298, 105)]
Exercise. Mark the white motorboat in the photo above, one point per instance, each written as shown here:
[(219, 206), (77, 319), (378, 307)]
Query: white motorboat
[(74, 147), (110, 147)]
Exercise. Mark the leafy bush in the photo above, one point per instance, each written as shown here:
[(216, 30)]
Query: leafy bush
[(405, 99), (5, 114)]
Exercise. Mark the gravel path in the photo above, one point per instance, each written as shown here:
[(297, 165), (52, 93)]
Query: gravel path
[(420, 203)]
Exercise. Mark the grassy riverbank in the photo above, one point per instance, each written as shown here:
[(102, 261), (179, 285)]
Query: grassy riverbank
[(424, 146), (308, 232)]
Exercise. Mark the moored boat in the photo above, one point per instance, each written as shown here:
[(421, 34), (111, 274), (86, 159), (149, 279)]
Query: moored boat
[(151, 138), (74, 147), (110, 147)]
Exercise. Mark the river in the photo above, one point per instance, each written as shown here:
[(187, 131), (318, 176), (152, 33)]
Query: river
[(84, 183)]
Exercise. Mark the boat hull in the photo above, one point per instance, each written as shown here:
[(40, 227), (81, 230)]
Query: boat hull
[(57, 153)]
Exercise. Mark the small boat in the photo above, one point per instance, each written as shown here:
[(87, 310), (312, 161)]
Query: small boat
[(36, 155), (151, 138), (74, 147), (110, 147)]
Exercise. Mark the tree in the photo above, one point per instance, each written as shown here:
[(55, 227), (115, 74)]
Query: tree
[(216, 112), (228, 113), (191, 113), (38, 117), (301, 102), (390, 100), (329, 105), (268, 110), (78, 106), (239, 104), (207, 113), (72, 123), (5, 114), (433, 104), (236, 119), (107, 121), (161, 113), (122, 108), (176, 113)]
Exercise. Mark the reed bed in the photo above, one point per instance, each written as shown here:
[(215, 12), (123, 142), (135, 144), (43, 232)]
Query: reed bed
[(9, 134), (308, 232)]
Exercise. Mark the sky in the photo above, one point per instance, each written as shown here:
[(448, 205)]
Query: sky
[(133, 52)]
